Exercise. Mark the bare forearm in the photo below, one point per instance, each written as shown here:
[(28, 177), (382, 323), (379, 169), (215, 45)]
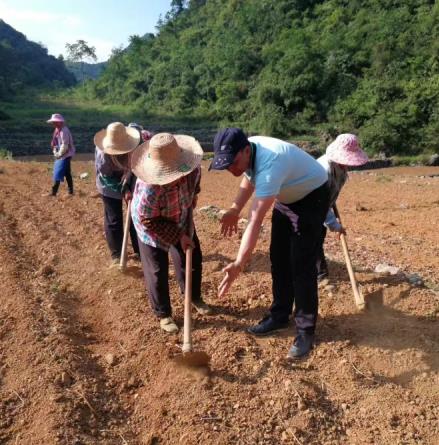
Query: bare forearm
[(246, 189), (248, 243)]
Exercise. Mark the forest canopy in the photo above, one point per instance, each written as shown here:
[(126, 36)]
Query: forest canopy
[(289, 67), (26, 64)]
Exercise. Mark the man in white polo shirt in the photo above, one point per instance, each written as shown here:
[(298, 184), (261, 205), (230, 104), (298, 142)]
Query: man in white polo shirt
[(282, 174)]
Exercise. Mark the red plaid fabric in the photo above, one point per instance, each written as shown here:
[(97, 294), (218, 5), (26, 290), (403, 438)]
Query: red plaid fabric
[(161, 213)]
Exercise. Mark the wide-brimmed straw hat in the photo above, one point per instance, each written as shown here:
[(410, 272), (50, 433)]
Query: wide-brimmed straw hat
[(346, 150), (117, 139), (166, 158), (56, 118)]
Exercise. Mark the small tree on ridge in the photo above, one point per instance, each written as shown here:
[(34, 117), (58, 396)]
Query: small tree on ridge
[(79, 51)]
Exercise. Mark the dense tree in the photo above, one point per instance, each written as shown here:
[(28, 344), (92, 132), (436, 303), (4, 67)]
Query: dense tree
[(290, 67), (26, 64)]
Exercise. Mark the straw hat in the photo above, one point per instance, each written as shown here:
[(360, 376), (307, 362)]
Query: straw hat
[(346, 150), (56, 118), (166, 158), (117, 139)]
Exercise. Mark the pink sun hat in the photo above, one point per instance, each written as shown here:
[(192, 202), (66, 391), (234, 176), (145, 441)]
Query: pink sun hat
[(56, 118), (346, 150)]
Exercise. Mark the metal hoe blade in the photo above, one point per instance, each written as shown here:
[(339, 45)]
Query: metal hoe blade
[(192, 359)]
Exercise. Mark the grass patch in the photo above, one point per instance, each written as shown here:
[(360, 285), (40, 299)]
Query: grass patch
[(93, 114), (5, 154), (409, 161)]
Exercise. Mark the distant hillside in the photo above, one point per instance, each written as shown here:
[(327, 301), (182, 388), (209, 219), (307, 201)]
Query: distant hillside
[(27, 64), (289, 67), (90, 70)]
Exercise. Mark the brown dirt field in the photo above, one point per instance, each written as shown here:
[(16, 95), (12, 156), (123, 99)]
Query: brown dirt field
[(82, 360)]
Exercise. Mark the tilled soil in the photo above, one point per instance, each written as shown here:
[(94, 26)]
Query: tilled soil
[(82, 359)]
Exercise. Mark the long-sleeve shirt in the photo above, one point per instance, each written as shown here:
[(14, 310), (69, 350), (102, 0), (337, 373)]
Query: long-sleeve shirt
[(337, 177), (162, 213), (109, 176), (61, 137)]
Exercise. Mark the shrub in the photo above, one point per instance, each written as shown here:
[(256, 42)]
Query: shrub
[(5, 154)]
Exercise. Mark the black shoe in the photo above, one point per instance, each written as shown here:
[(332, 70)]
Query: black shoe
[(301, 346), (267, 326)]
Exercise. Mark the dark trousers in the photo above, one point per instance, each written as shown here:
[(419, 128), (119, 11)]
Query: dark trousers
[(293, 253), (113, 226), (322, 266), (69, 179), (155, 263)]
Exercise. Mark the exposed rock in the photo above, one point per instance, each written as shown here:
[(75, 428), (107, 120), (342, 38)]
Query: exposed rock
[(110, 359), (386, 269), (84, 175), (415, 279), (211, 211)]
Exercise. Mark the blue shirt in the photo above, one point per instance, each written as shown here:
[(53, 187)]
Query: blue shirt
[(283, 170)]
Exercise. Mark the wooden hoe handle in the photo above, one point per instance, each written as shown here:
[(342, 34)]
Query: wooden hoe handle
[(123, 256), (358, 297), (187, 329)]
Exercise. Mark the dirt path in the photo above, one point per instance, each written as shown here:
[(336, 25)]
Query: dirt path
[(83, 362)]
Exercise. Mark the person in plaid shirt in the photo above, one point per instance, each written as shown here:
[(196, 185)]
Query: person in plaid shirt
[(168, 181)]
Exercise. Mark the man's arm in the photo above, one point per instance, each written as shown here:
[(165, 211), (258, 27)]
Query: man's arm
[(229, 221), (258, 211)]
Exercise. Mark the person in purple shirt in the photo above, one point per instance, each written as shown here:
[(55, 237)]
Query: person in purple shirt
[(63, 149)]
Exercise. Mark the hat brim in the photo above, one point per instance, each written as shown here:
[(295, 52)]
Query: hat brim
[(352, 159), (131, 142), (55, 120), (152, 171), (222, 162)]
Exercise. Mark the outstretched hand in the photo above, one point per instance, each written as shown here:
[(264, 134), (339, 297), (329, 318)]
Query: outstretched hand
[(232, 271), (229, 222)]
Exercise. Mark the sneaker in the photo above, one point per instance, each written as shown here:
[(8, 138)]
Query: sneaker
[(202, 308), (114, 263), (301, 346), (168, 325), (267, 326)]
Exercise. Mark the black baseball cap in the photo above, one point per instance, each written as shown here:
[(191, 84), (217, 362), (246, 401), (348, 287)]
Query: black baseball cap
[(227, 143)]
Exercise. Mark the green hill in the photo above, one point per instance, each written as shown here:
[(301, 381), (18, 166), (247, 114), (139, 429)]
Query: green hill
[(290, 67), (27, 64)]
